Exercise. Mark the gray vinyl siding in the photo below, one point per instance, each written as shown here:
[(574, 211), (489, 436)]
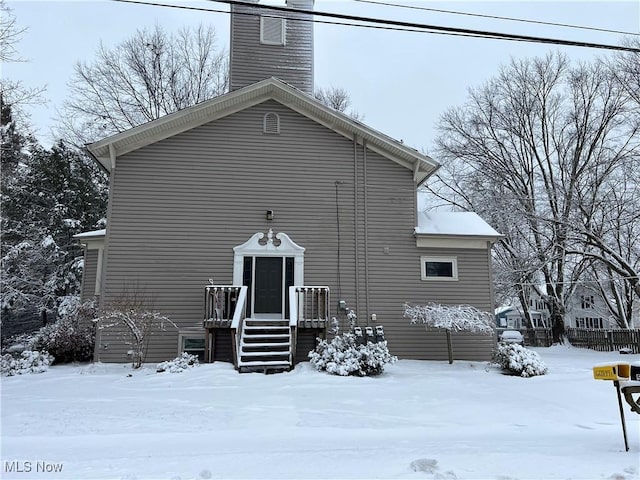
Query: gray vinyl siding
[(306, 341), (179, 206), (89, 273), (252, 61)]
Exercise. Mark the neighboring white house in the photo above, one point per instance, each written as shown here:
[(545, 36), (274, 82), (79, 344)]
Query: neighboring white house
[(513, 316), (587, 309)]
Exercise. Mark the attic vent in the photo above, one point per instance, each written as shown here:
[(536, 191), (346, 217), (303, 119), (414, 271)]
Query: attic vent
[(272, 30), (271, 123)]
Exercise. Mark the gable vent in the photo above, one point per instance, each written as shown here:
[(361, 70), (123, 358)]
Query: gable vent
[(272, 30), (271, 123)]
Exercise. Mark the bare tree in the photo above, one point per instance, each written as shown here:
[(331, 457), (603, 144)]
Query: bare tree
[(338, 99), (525, 151), (132, 317), (457, 318), (152, 74), (10, 34), (14, 93)]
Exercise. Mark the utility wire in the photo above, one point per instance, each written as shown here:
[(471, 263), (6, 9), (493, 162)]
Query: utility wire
[(408, 26), (496, 17), (324, 22)]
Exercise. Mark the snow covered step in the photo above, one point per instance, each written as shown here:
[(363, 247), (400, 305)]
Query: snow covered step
[(266, 327), (272, 353), (258, 336), (265, 364), (261, 344)]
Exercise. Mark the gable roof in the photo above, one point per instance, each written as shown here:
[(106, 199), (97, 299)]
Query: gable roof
[(105, 151)]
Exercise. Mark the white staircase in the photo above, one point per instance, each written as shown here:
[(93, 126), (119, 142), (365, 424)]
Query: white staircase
[(265, 344)]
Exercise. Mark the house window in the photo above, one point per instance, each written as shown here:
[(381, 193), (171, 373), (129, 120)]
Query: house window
[(192, 344), (439, 268), (271, 123), (589, 322), (272, 31), (587, 301)]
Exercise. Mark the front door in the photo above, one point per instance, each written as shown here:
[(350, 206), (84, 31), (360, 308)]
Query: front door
[(268, 286)]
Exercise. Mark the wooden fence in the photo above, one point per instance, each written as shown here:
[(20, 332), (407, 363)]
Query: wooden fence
[(604, 340), (534, 337)]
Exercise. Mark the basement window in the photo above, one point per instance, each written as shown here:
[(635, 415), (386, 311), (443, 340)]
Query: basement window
[(271, 123), (192, 344), (439, 268), (272, 31)]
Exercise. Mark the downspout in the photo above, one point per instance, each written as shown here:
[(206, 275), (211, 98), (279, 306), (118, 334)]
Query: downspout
[(355, 216), (366, 227)]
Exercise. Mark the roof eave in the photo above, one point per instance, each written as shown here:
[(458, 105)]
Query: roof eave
[(232, 102), (489, 238)]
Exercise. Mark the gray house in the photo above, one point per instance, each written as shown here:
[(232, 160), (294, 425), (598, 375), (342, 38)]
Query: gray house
[(252, 219)]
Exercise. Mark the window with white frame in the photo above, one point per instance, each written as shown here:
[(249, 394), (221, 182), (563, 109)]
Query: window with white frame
[(193, 344), (439, 268), (272, 30)]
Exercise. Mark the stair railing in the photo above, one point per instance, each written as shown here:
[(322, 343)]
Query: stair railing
[(237, 324)]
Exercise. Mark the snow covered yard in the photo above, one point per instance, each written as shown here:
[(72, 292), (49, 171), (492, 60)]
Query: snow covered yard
[(419, 420)]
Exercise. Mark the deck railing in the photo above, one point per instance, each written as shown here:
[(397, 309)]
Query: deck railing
[(220, 304), (225, 306), (309, 306)]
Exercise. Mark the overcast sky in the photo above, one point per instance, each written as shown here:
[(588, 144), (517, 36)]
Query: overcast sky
[(401, 82)]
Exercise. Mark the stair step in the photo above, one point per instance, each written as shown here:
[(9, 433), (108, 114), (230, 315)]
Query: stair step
[(259, 344), (267, 363), (258, 336), (249, 329), (271, 353)]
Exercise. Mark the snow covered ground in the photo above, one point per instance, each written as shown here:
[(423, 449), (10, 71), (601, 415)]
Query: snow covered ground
[(419, 420)]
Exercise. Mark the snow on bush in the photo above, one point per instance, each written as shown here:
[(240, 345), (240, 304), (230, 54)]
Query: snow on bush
[(27, 362), (457, 318), (344, 356), (518, 360), (70, 339), (178, 364)]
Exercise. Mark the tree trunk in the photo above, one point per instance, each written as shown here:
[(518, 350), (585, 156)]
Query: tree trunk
[(449, 346)]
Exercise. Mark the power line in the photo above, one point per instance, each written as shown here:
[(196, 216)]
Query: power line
[(324, 22), (481, 33), (496, 17), (406, 26)]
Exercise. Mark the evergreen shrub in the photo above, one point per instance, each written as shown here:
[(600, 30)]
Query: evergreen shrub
[(518, 360), (70, 339), (178, 364), (26, 362), (343, 355)]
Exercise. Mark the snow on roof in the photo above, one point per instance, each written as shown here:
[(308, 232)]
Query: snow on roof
[(93, 233), (454, 223)]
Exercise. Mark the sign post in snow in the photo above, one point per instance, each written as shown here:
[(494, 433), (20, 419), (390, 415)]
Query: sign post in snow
[(616, 371)]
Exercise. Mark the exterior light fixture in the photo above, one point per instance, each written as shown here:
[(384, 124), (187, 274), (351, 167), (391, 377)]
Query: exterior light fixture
[(269, 214)]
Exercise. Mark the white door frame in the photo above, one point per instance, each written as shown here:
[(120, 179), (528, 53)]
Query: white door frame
[(269, 245)]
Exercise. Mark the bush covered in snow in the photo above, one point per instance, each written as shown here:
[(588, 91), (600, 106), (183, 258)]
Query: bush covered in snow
[(178, 364), (26, 362), (518, 360), (344, 356), (70, 339)]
